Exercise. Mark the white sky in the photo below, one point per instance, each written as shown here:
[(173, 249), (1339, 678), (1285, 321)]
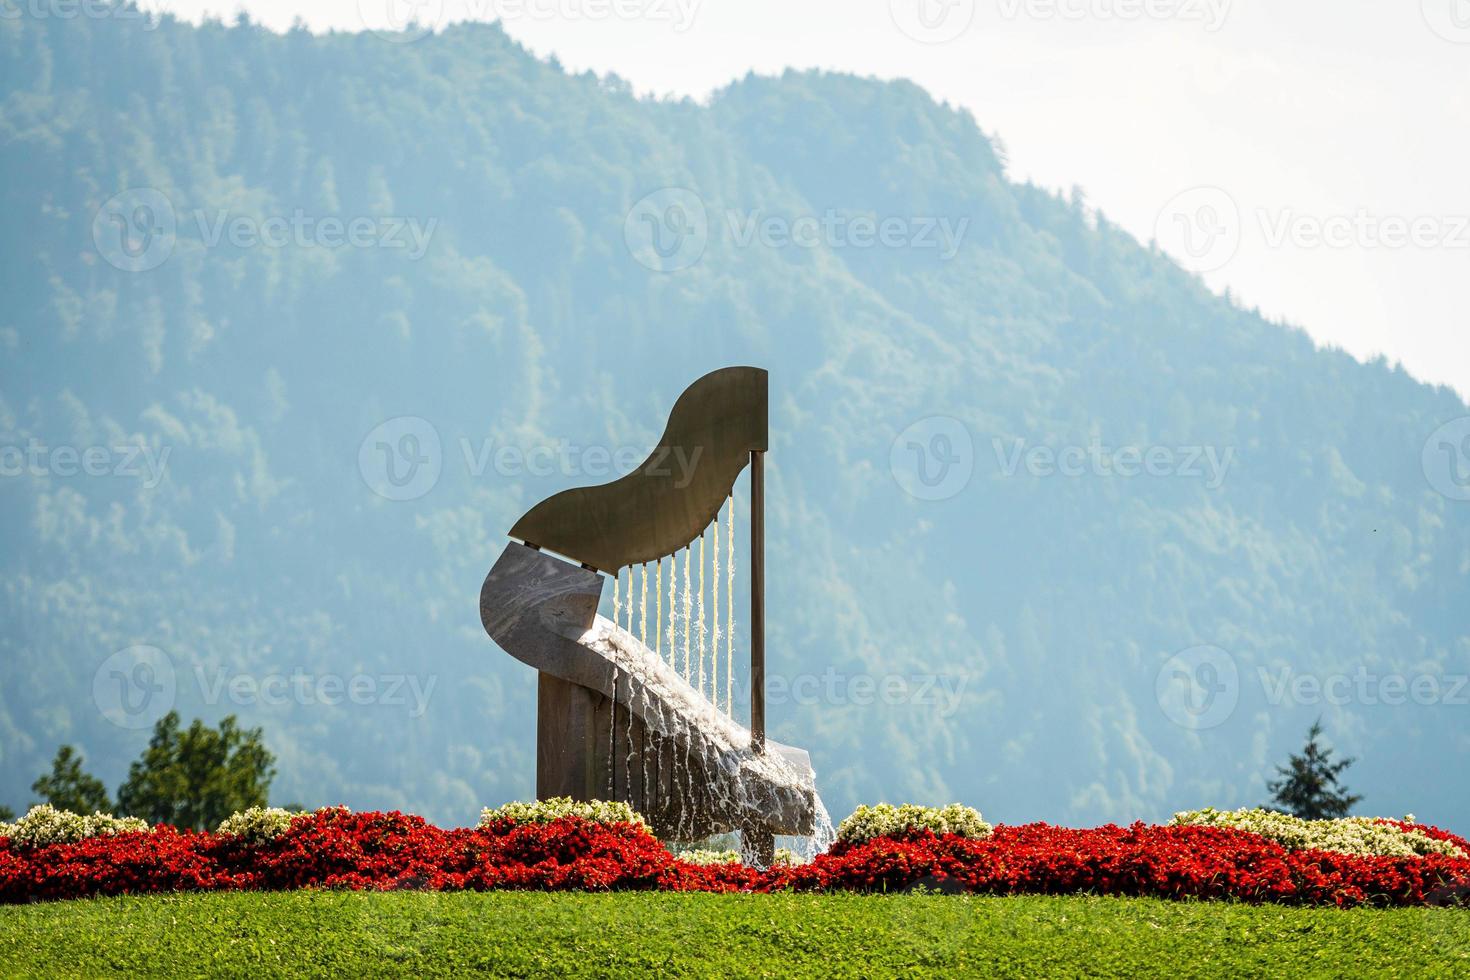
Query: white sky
[(1343, 120)]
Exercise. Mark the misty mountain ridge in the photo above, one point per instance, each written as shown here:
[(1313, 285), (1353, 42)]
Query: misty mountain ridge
[(1021, 463)]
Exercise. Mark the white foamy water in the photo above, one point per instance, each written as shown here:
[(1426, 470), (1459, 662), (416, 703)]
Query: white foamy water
[(750, 782)]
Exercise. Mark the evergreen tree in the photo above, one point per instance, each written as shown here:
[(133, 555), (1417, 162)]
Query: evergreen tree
[(6, 814), (195, 778), (69, 788), (1309, 787)]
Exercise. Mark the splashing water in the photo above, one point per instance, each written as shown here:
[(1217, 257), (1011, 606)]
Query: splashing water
[(673, 606), (617, 596), (730, 613), (688, 598), (699, 620), (822, 836), (643, 606), (743, 781), (714, 660)]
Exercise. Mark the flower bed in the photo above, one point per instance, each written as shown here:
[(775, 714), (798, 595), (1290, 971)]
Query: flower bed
[(538, 849), (1364, 836)]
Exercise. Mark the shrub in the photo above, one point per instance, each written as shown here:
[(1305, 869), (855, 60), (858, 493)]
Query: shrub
[(887, 820), (257, 825), (45, 825), (704, 857), (1360, 836), (559, 807)]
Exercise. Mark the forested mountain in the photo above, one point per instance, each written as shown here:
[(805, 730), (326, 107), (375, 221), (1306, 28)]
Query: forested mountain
[(506, 285)]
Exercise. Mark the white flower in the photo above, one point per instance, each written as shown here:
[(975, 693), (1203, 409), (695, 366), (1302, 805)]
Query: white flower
[(45, 824), (887, 820), (257, 825), (703, 856), (1364, 836), (545, 811)]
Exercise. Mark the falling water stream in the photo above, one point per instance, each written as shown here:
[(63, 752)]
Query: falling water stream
[(682, 697)]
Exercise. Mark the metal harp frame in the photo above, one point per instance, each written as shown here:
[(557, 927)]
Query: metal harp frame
[(717, 426)]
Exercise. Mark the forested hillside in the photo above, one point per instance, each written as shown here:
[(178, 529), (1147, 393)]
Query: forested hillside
[(500, 290)]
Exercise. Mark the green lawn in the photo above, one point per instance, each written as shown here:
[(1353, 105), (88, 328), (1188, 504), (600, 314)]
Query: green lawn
[(746, 935)]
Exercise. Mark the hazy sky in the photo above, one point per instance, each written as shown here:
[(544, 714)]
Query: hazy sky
[(1310, 155)]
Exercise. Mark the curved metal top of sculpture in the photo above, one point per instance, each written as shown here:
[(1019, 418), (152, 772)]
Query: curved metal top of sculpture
[(617, 719), (659, 507)]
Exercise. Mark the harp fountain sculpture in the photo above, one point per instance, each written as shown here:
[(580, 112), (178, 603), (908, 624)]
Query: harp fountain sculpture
[(649, 719)]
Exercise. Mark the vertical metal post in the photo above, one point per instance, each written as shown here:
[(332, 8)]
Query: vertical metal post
[(757, 601)]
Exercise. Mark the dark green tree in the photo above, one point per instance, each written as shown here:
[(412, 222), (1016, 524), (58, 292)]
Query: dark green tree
[(1309, 787), (6, 814), (68, 787), (196, 777)]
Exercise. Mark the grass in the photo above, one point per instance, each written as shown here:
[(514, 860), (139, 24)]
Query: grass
[(632, 934)]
